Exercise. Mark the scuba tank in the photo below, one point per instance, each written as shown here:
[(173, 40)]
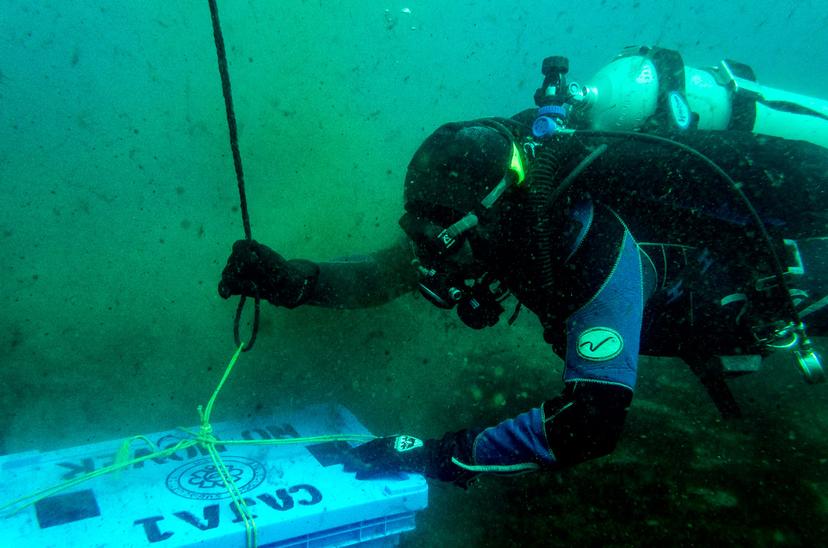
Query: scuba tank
[(649, 91), (645, 87)]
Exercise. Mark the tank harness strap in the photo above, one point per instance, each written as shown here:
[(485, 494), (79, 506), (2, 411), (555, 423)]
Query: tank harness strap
[(669, 67)]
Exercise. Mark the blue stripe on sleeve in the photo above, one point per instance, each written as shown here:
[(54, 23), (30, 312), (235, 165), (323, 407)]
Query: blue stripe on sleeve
[(616, 308), (514, 441)]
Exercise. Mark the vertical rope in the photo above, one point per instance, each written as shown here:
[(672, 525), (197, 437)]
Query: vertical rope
[(221, 54), (231, 115)]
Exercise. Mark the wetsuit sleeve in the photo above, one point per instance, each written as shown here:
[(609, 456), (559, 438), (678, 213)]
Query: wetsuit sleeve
[(602, 342), (362, 281), (603, 336)]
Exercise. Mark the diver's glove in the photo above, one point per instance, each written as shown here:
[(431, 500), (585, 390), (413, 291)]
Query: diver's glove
[(255, 270), (433, 458)]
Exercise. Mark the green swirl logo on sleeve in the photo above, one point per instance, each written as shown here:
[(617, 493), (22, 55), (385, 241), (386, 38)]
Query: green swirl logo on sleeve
[(599, 344)]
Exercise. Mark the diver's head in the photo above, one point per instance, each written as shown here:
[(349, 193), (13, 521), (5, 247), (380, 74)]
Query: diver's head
[(454, 168), (454, 216)]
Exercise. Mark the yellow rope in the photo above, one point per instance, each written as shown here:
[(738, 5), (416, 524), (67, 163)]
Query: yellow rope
[(205, 417), (206, 431), (204, 437)]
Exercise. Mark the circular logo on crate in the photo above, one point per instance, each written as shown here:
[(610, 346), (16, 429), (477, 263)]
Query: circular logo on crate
[(201, 480)]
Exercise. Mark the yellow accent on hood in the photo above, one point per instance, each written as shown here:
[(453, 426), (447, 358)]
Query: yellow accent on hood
[(516, 165)]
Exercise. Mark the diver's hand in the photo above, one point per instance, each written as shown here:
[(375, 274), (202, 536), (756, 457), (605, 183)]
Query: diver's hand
[(387, 455), (395, 454), (255, 270)]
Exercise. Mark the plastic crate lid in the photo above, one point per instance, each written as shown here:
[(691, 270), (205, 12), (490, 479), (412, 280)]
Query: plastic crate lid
[(293, 491)]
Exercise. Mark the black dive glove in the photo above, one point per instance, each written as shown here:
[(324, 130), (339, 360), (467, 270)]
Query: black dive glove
[(433, 458), (255, 270)]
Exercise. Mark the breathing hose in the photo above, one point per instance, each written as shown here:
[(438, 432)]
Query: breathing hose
[(776, 263), (237, 163), (807, 358)]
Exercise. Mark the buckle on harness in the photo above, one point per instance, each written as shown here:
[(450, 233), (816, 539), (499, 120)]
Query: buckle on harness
[(795, 267), (794, 338), (811, 366)]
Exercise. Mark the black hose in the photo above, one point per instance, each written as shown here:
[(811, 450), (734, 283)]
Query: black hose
[(582, 165), (776, 264), (237, 163)]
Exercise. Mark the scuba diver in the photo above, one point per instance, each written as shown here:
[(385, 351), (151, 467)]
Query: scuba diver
[(659, 209)]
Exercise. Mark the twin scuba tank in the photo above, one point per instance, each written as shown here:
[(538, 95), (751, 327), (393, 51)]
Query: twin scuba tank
[(645, 87)]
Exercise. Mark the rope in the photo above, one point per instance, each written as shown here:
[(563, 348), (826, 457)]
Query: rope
[(203, 437), (218, 38), (206, 432)]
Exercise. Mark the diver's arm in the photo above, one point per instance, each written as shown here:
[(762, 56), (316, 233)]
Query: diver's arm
[(362, 281), (583, 423), (255, 270), (586, 420)]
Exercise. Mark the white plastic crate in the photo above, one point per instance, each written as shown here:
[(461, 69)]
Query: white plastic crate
[(299, 495)]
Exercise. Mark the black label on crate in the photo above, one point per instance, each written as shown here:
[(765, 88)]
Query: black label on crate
[(66, 508), (329, 453)]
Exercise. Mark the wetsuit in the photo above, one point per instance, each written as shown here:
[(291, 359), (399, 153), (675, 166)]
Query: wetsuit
[(652, 254)]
